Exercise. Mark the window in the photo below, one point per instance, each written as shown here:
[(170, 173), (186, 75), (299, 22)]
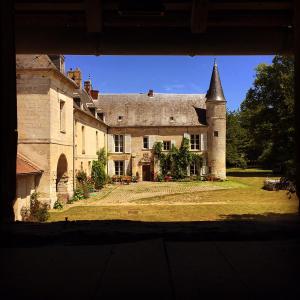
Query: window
[(195, 141), (146, 142), (167, 145), (81, 166), (62, 116), (97, 142), (193, 168), (171, 119), (120, 118), (83, 139), (119, 143), (119, 167), (216, 133), (100, 116)]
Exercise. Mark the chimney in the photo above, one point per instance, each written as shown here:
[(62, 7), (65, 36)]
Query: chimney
[(88, 86), (76, 76), (94, 94), (150, 93)]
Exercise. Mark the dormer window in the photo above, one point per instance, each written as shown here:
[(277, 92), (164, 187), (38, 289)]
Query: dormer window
[(120, 118), (100, 116)]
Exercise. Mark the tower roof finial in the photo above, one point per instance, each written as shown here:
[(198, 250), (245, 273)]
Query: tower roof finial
[(215, 91)]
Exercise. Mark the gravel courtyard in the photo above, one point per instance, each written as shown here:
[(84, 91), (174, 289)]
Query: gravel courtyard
[(240, 196)]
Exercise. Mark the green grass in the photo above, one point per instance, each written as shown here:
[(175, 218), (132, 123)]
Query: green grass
[(240, 195)]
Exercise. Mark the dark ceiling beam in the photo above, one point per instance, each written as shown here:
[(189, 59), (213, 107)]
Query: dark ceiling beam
[(172, 6), (199, 16), (217, 42), (94, 16)]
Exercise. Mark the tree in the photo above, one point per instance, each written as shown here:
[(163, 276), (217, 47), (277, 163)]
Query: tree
[(267, 114), (98, 169), (235, 141)]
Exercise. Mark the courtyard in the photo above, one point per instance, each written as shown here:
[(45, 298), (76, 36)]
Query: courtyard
[(239, 197)]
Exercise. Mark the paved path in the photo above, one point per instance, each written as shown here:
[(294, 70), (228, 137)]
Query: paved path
[(153, 269), (127, 194)]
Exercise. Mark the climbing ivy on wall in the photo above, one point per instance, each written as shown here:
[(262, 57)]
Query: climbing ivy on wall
[(176, 161)]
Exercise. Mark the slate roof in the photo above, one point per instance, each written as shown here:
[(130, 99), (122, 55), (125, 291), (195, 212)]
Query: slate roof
[(142, 110), (25, 167)]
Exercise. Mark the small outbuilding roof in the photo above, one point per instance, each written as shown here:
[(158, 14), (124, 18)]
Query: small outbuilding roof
[(129, 110), (25, 167)]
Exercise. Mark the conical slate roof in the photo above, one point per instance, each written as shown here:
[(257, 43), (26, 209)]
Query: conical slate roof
[(215, 91)]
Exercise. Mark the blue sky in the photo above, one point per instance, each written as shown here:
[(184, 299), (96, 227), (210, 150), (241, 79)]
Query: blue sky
[(168, 74)]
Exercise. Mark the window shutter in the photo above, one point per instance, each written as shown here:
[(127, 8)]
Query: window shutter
[(110, 143), (173, 143), (203, 141), (187, 136), (151, 141), (188, 170), (126, 167), (127, 143), (111, 167)]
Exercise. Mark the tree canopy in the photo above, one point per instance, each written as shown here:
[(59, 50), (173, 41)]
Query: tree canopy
[(262, 130)]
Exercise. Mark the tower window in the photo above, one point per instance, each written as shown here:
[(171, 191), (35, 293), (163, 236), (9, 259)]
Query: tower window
[(216, 133), (120, 118), (172, 119)]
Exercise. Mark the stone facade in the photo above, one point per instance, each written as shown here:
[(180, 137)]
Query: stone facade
[(61, 126)]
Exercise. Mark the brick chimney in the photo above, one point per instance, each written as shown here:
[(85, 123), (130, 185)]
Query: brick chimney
[(76, 76), (150, 93), (88, 86), (94, 94)]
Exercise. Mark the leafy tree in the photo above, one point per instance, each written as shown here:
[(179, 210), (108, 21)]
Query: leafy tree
[(98, 169), (267, 114), (235, 141)]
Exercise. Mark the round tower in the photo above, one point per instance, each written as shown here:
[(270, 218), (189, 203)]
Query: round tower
[(216, 121)]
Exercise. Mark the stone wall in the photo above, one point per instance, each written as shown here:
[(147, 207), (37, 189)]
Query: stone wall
[(216, 138), (135, 156), (95, 138), (26, 185)]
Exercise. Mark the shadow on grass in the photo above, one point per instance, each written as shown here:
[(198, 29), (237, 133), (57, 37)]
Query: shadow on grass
[(231, 227)]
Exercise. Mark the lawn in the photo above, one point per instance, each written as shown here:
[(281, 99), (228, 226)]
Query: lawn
[(240, 196)]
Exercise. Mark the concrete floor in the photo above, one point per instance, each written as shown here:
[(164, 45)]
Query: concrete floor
[(153, 269)]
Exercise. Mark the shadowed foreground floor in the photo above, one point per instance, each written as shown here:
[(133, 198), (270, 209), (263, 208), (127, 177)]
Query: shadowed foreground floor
[(248, 258)]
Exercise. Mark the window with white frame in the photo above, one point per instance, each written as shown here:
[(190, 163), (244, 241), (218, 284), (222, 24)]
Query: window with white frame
[(97, 142), (119, 142), (83, 140), (146, 142), (195, 141), (62, 116), (119, 167), (167, 145)]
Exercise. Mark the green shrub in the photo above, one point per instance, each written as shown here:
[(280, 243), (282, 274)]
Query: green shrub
[(98, 174), (58, 205), (38, 211)]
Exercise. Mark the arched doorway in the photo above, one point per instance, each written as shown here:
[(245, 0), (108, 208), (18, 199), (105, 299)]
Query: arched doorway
[(62, 178)]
